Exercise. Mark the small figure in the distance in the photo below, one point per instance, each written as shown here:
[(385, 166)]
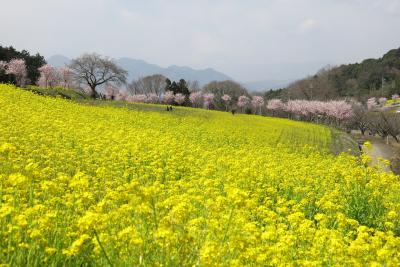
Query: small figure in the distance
[(167, 108), (233, 111), (170, 108)]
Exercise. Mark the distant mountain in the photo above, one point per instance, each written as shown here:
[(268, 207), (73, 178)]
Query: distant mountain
[(266, 85), (58, 60), (137, 68)]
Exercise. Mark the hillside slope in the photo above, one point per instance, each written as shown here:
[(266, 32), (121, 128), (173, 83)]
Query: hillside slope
[(87, 185), (372, 77)]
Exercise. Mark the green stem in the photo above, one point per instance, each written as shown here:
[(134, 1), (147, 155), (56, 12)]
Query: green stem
[(102, 248)]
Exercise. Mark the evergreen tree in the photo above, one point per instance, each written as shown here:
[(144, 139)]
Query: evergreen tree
[(33, 63)]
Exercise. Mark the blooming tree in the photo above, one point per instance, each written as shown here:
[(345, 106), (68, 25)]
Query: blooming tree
[(334, 111), (275, 105), (293, 107), (339, 110), (179, 98), (152, 98), (121, 95), (49, 76), (137, 98), (208, 99), (243, 101), (168, 97), (111, 92), (17, 67), (196, 98), (227, 100), (257, 102)]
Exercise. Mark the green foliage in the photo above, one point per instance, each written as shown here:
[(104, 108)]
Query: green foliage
[(371, 77), (271, 94), (33, 63), (180, 87)]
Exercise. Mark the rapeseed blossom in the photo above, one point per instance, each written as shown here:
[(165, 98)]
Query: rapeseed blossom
[(86, 185)]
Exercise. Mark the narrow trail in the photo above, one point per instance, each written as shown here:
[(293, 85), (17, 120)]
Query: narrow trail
[(380, 150)]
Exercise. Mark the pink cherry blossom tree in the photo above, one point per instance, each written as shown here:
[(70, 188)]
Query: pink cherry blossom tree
[(243, 101), (227, 100), (275, 105), (17, 67), (152, 98), (257, 102), (168, 97), (293, 107), (111, 92), (137, 98), (122, 95), (49, 76), (339, 110), (208, 99), (179, 98), (196, 98)]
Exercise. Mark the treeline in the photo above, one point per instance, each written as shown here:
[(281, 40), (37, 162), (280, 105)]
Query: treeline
[(23, 68), (376, 117), (370, 78)]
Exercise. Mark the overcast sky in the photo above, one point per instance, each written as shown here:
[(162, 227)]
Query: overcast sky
[(248, 40)]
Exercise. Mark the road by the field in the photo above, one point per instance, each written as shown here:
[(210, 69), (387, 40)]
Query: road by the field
[(380, 149)]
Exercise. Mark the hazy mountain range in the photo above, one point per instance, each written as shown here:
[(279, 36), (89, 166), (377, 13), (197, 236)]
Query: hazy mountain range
[(138, 68)]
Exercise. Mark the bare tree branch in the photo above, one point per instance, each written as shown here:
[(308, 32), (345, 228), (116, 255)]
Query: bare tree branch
[(95, 70)]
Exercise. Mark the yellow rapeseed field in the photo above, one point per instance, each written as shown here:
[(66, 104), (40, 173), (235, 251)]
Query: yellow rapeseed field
[(82, 185)]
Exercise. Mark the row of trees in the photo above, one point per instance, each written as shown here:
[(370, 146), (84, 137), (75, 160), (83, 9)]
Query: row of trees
[(375, 119), (19, 67), (49, 76), (334, 111), (91, 70)]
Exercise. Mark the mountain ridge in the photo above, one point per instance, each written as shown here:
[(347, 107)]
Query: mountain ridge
[(138, 68)]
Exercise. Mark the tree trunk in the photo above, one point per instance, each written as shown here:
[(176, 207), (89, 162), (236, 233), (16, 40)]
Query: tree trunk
[(93, 92)]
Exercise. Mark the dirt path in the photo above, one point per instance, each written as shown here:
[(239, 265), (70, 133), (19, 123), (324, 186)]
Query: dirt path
[(380, 150)]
